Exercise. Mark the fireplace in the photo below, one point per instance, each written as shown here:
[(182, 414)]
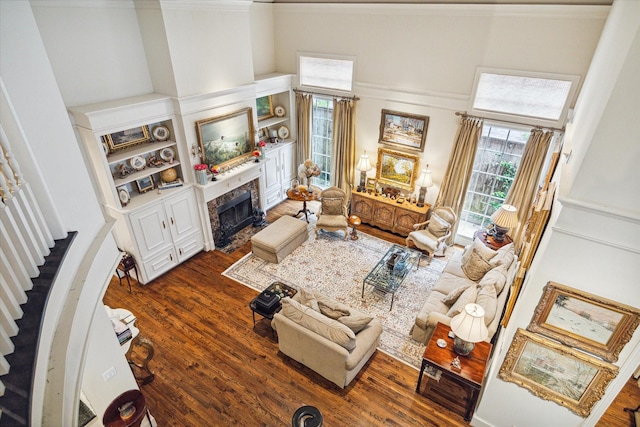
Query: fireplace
[(232, 211)]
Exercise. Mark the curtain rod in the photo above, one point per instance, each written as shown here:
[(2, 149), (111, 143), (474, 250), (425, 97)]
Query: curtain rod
[(354, 98), (464, 114)]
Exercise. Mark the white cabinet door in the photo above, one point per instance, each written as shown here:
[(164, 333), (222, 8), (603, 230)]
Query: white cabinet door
[(151, 230), (288, 169), (272, 170), (182, 214)]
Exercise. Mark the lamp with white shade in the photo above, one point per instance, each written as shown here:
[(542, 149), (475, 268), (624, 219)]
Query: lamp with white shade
[(423, 181), (469, 328), (505, 218), (363, 166)]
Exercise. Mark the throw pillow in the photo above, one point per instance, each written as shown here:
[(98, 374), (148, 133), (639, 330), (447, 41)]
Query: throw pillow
[(504, 256), (474, 265), (467, 297), (496, 277), (332, 206), (309, 299), (355, 322), (484, 251), (453, 296), (332, 311), (438, 226), (488, 300), (310, 319)]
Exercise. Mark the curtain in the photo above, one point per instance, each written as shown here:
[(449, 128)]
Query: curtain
[(456, 179), (343, 144), (525, 183), (303, 113)]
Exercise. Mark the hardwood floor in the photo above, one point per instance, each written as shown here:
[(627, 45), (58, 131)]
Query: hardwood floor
[(213, 368)]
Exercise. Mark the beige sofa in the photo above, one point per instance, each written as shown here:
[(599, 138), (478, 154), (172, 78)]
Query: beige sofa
[(328, 337), (478, 274)]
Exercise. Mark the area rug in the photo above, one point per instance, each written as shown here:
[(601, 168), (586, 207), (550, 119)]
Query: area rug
[(337, 267)]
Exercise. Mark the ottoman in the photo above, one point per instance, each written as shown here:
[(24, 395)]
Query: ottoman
[(279, 239)]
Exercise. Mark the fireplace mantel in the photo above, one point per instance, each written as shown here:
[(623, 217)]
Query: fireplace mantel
[(226, 182)]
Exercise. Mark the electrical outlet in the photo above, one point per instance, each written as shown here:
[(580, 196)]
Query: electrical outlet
[(109, 373)]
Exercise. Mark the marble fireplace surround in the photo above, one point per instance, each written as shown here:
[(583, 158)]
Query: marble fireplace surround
[(212, 205)]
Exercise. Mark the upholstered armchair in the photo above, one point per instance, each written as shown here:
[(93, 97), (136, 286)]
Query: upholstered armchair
[(431, 236), (333, 211)]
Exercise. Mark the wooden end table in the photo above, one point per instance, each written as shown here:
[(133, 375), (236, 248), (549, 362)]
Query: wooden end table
[(489, 241), (472, 366), (304, 197)]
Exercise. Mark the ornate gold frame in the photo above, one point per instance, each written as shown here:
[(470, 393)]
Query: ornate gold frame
[(384, 178), (609, 351), (119, 140), (386, 131), (594, 386), (226, 128)]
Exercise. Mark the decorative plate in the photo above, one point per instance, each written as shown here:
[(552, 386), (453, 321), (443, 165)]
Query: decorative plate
[(283, 132), (279, 111), (167, 154), (137, 162), (441, 343), (160, 133), (124, 195)]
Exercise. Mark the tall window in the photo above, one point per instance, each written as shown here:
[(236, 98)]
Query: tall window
[(496, 163), (321, 135)]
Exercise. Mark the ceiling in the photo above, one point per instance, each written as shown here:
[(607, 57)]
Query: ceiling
[(520, 2)]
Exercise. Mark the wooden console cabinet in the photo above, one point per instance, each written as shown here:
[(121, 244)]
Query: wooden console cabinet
[(386, 213)]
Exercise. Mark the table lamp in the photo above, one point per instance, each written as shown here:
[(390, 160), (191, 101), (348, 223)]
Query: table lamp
[(469, 328), (505, 218), (363, 166), (424, 181)]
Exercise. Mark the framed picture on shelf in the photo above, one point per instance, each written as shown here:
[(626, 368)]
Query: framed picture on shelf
[(555, 372), (397, 169), (127, 138), (145, 184), (264, 107), (594, 324), (226, 139), (403, 130), (371, 184)]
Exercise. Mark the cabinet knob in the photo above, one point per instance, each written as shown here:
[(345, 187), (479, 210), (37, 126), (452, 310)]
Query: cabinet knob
[(172, 221), (164, 225), (180, 250), (171, 257)]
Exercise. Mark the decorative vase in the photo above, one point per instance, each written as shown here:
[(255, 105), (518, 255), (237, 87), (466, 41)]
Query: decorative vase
[(309, 184), (201, 177)]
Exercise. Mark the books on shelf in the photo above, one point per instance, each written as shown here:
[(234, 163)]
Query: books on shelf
[(124, 336), (173, 184)]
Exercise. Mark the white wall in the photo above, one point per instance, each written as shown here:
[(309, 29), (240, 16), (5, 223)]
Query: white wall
[(262, 38), (422, 59), (593, 242)]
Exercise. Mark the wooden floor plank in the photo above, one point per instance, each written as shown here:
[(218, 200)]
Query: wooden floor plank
[(213, 367)]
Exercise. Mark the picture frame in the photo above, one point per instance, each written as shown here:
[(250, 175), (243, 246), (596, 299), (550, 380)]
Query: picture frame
[(555, 372), (127, 138), (585, 321), (397, 169), (371, 184), (145, 184), (403, 130), (264, 107), (226, 139)]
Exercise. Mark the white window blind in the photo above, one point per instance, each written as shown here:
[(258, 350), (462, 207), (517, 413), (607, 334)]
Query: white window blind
[(327, 73)]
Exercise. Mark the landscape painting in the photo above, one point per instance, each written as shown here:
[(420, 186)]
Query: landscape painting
[(226, 138), (591, 323), (397, 169), (408, 131), (556, 372)]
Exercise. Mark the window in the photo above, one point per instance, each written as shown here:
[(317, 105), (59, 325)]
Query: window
[(324, 71), (495, 165), (321, 136), (528, 98)]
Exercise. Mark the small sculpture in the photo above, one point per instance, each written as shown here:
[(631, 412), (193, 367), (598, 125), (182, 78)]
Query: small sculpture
[(455, 364)]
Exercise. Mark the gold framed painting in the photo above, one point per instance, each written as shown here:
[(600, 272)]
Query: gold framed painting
[(264, 107), (591, 323), (127, 138), (555, 372), (228, 139), (397, 169), (404, 130)]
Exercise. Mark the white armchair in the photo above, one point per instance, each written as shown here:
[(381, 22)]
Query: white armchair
[(431, 236)]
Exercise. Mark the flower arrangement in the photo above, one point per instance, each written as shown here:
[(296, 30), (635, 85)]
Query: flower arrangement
[(262, 144), (201, 167), (308, 169), (215, 170), (256, 154)]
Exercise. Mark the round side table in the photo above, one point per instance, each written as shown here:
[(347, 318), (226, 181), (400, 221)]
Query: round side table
[(354, 220)]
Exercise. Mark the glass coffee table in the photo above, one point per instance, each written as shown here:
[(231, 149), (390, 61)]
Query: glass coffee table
[(391, 270)]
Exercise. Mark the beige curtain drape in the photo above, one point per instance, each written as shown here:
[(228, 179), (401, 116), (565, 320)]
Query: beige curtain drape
[(303, 114), (343, 144), (454, 183), (525, 184)]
